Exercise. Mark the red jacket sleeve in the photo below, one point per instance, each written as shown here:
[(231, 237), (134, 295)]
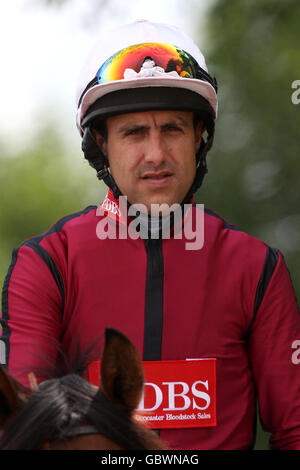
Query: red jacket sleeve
[(31, 315), (276, 374)]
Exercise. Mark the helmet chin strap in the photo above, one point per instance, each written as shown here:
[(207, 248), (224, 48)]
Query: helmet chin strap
[(98, 161), (201, 168)]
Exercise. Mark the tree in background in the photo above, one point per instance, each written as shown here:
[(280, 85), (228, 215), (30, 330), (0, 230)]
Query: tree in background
[(39, 185), (252, 46)]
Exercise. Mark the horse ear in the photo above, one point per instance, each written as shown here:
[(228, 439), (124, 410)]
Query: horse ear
[(12, 395), (122, 376)]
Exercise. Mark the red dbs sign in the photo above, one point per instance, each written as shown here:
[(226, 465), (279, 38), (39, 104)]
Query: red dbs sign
[(177, 394)]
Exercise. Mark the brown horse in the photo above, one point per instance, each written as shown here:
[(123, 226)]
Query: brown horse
[(70, 413)]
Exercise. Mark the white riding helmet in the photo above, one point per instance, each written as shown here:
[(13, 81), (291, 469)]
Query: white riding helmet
[(138, 67)]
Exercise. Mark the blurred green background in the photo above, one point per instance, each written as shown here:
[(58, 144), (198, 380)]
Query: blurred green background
[(252, 47)]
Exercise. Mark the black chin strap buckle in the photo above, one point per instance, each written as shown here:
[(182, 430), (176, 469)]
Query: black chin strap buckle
[(103, 173)]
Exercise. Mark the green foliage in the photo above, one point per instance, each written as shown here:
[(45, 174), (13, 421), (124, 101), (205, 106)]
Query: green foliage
[(254, 166), (39, 185)]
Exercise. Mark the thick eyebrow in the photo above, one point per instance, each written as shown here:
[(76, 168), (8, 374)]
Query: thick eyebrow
[(183, 121), (130, 126), (175, 122)]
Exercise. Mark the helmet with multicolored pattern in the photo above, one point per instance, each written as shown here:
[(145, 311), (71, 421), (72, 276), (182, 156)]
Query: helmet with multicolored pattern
[(139, 67)]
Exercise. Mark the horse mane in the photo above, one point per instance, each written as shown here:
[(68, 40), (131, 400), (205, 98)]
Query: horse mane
[(62, 404), (76, 361), (58, 404), (67, 401)]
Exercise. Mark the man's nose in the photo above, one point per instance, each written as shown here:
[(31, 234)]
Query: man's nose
[(155, 150)]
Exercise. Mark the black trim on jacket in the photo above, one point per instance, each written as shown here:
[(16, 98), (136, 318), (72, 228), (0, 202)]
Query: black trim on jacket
[(4, 320), (48, 260), (33, 243), (270, 264), (226, 224), (153, 300)]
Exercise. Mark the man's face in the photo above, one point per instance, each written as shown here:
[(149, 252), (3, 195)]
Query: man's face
[(152, 155)]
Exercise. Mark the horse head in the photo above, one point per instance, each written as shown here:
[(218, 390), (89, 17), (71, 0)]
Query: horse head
[(70, 413)]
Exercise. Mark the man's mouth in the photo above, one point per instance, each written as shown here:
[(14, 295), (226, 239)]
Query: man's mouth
[(156, 175), (157, 179)]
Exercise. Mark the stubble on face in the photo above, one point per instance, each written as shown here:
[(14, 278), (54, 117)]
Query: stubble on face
[(152, 155)]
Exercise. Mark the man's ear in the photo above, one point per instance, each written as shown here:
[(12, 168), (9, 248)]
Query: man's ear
[(101, 142)]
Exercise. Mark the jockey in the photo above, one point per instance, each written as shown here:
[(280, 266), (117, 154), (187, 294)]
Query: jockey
[(175, 277)]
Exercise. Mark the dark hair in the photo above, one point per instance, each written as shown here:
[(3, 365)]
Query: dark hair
[(100, 126), (62, 404), (49, 413)]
